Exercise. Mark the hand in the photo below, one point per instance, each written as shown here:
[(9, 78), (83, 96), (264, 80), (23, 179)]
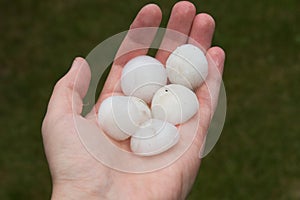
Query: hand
[(75, 173)]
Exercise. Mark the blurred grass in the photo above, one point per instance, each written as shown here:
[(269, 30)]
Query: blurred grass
[(258, 154)]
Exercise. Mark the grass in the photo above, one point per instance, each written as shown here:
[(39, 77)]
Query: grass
[(257, 156)]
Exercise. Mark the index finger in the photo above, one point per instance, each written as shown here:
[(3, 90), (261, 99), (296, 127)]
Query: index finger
[(136, 42)]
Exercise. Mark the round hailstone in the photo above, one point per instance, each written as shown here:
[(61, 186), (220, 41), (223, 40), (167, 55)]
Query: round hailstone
[(121, 116), (187, 65), (174, 103), (142, 77), (154, 137)]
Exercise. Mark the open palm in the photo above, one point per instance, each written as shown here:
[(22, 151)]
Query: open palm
[(75, 173)]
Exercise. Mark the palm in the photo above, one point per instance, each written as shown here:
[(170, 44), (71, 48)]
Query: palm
[(167, 183), (73, 164)]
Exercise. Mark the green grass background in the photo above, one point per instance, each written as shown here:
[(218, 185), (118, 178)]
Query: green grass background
[(258, 154)]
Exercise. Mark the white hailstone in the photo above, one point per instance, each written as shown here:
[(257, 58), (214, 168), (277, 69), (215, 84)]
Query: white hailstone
[(142, 77), (174, 103), (188, 66), (154, 137), (121, 116)]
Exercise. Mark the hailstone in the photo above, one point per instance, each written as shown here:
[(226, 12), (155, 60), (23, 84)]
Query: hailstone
[(142, 77), (187, 65), (174, 103), (121, 116), (154, 137)]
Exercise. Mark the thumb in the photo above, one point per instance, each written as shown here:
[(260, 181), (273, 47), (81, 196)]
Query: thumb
[(70, 90)]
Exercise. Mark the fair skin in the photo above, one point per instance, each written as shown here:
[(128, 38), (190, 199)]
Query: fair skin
[(75, 173)]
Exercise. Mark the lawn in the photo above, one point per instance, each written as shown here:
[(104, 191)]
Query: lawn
[(258, 154)]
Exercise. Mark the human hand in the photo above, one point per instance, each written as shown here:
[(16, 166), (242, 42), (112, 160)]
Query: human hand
[(75, 173)]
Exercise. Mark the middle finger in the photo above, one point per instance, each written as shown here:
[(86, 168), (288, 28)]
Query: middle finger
[(181, 20)]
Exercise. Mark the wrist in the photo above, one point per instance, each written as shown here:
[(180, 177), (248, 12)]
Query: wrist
[(66, 190)]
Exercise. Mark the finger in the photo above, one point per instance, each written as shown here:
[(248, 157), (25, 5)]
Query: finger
[(202, 31), (140, 35), (181, 20), (70, 90), (136, 42), (208, 93)]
